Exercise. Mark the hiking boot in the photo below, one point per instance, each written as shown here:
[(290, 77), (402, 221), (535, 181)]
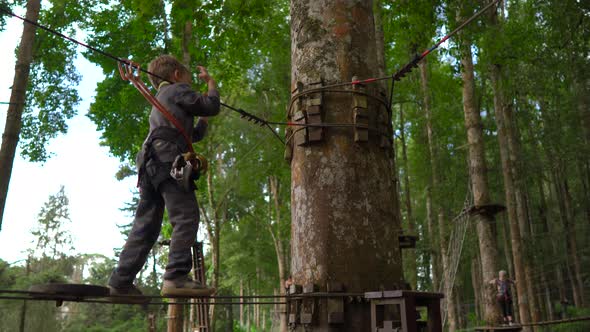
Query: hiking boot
[(185, 286), (130, 295)]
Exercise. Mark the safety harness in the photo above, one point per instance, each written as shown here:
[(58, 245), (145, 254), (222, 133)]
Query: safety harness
[(188, 166)]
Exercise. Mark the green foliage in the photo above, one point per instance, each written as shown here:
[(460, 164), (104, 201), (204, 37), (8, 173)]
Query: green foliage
[(541, 46), (572, 312), (4, 4), (51, 94)]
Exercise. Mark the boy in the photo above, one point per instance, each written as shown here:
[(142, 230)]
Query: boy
[(157, 188)]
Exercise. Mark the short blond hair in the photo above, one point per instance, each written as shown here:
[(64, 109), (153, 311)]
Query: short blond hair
[(164, 67)]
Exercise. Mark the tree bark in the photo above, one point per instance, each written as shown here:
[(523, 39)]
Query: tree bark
[(438, 249), (522, 208), (345, 224), (509, 190), (434, 253), (507, 249), (435, 185), (279, 247), (563, 200), (410, 254), (572, 243), (175, 315), (478, 173), (13, 124), (213, 223), (379, 37), (166, 26), (187, 36), (475, 277)]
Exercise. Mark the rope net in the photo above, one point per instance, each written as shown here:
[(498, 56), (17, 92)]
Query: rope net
[(454, 250)]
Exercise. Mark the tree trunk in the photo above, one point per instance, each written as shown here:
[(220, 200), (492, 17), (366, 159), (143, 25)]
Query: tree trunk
[(547, 296), (216, 265), (572, 244), (475, 277), (187, 37), (175, 315), (434, 253), (439, 249), (13, 124), (229, 318), (435, 181), (507, 249), (166, 26), (23, 309), (213, 226), (279, 248), (478, 172), (563, 201), (345, 223), (461, 322), (379, 37), (522, 209), (582, 88), (241, 305), (410, 254), (509, 190), (547, 227), (434, 229), (584, 174)]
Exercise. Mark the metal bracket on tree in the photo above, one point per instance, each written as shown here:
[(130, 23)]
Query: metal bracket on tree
[(308, 111), (360, 114)]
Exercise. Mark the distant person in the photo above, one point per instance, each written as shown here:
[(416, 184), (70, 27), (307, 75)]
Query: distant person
[(564, 304), (288, 284), (157, 187), (504, 295)]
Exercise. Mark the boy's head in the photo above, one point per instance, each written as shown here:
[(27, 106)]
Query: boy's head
[(167, 67)]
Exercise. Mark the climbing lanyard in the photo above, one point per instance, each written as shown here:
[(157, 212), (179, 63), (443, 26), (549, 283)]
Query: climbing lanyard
[(130, 71)]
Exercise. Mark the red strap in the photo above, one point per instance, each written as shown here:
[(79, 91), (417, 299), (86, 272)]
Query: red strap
[(130, 72)]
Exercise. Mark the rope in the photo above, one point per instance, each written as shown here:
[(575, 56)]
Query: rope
[(249, 116), (129, 73), (221, 297), (243, 113), (417, 58), (455, 249), (88, 300)]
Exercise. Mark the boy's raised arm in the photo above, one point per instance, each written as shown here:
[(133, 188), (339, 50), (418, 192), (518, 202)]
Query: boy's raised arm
[(197, 104)]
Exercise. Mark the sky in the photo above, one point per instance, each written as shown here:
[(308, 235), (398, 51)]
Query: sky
[(80, 164)]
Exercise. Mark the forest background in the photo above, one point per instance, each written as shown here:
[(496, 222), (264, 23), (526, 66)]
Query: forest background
[(532, 81)]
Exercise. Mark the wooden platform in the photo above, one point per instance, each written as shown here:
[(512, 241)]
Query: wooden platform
[(488, 209), (407, 241), (407, 301), (512, 328)]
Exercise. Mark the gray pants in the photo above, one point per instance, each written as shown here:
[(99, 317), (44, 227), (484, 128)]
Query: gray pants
[(183, 212)]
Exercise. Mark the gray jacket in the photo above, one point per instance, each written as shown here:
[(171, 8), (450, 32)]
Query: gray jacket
[(185, 104)]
